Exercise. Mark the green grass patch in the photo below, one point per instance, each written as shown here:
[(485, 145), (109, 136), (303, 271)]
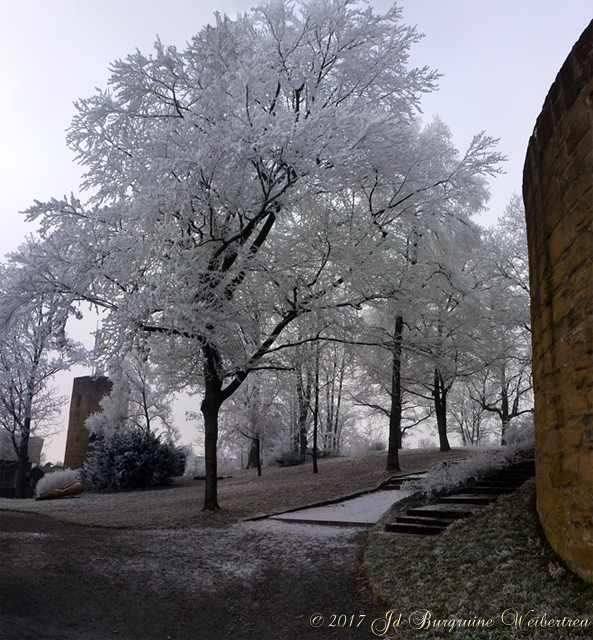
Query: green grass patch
[(497, 561)]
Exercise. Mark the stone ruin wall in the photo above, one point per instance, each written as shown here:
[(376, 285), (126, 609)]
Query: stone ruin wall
[(558, 194), (87, 393)]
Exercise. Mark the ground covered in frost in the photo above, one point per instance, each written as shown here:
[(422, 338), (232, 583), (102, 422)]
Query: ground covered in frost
[(497, 561), (252, 580), (241, 496), (149, 565)]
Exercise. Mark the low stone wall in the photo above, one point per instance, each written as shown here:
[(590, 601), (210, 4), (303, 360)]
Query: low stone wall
[(558, 194)]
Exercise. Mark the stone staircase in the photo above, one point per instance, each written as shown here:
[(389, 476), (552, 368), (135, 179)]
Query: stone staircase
[(434, 518), (395, 482)]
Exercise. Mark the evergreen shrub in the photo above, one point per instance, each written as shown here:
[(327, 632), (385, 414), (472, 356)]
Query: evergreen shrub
[(133, 459)]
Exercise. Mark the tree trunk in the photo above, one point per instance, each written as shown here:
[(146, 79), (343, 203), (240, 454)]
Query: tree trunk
[(210, 407), (395, 413), (315, 469), (316, 411), (440, 407), (504, 414), (258, 456), (23, 456), (505, 426), (254, 459), (336, 426), (304, 400)]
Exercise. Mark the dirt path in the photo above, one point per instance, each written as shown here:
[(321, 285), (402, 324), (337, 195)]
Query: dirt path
[(259, 580)]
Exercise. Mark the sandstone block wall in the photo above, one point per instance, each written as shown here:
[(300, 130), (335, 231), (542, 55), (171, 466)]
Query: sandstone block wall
[(87, 393), (558, 194)]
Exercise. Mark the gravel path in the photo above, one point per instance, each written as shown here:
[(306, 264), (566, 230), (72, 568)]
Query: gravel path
[(259, 580)]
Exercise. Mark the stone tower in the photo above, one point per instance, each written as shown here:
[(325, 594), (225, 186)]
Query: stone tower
[(558, 194), (87, 393)]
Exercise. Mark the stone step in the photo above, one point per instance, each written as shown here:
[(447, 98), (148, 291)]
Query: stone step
[(396, 481), (515, 483), (477, 499), (528, 468), (512, 471), (433, 519), (509, 475), (527, 462), (449, 511), (417, 529), (503, 482), (486, 489), (437, 522)]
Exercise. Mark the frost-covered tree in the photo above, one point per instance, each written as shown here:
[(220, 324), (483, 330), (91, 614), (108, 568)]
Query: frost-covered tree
[(139, 399), (503, 386), (33, 348), (254, 414), (442, 336), (468, 418), (383, 382), (334, 381), (425, 325), (248, 181)]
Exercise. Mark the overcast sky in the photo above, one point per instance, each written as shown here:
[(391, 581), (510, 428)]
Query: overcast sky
[(498, 57)]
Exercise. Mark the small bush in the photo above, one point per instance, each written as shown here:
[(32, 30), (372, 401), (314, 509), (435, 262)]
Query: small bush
[(127, 460), (56, 479), (289, 459), (377, 445)]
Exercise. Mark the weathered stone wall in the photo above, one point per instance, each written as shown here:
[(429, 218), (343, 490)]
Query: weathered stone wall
[(87, 393), (558, 194)]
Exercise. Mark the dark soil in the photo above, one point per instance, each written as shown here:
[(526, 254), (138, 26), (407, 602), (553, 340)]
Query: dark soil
[(256, 580), (171, 573)]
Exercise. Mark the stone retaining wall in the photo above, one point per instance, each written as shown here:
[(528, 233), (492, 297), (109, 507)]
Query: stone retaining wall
[(558, 194)]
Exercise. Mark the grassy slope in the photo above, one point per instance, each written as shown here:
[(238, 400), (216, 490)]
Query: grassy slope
[(242, 496), (494, 561)]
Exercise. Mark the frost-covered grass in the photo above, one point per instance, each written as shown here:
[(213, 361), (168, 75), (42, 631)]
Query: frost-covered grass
[(481, 567), (241, 496), (446, 476), (59, 479)]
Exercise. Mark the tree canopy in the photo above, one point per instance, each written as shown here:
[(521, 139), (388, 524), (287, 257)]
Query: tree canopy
[(257, 177)]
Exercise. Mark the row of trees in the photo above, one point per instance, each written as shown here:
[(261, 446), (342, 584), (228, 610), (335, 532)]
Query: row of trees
[(267, 196), (480, 347)]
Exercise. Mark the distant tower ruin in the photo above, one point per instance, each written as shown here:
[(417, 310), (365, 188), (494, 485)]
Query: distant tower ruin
[(87, 393), (558, 194)]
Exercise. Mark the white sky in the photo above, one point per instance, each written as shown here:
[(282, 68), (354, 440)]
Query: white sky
[(498, 57)]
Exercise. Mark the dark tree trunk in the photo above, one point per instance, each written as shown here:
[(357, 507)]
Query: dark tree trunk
[(315, 469), (504, 414), (254, 459), (304, 400), (505, 426), (335, 436), (316, 411), (257, 453), (395, 413), (440, 407), (210, 407), (23, 456)]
